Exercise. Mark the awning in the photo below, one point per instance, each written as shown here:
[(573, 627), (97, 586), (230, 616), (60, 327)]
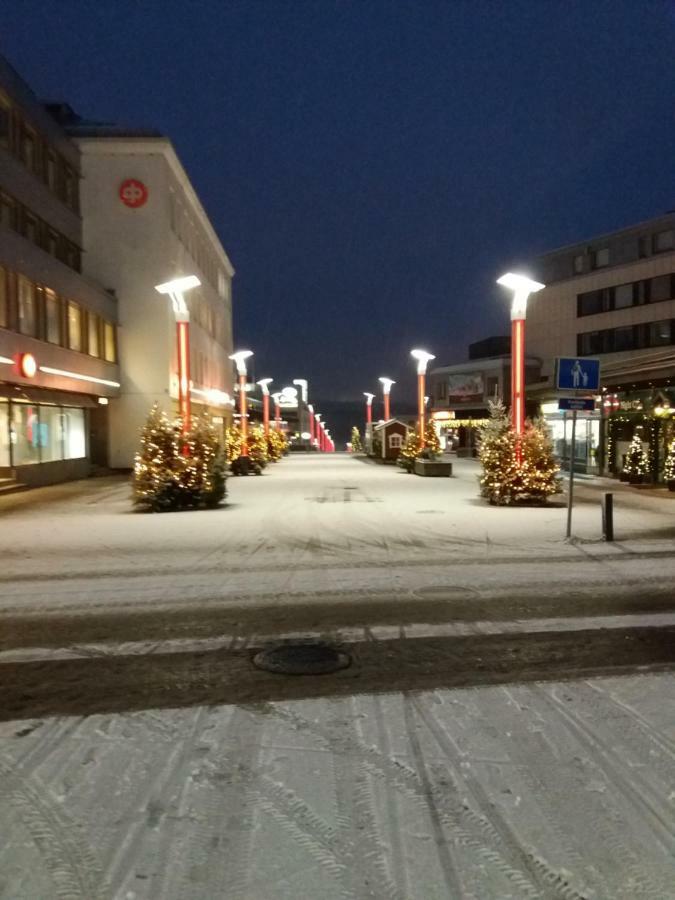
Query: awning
[(44, 395)]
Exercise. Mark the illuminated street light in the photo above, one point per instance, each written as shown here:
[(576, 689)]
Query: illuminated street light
[(386, 390), (277, 411), (175, 289), (311, 424), (264, 385), (239, 359), (423, 358), (522, 287), (369, 406)]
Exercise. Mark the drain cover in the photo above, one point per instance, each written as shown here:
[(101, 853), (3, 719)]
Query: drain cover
[(302, 659)]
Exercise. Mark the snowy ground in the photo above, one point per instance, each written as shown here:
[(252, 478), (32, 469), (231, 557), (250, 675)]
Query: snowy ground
[(506, 730)]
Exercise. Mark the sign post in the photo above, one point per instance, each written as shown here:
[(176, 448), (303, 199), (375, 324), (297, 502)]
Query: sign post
[(580, 376)]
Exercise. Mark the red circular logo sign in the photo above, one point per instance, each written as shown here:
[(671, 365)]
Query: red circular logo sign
[(133, 193), (27, 365)]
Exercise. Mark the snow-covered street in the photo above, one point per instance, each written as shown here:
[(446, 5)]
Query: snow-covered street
[(506, 728)]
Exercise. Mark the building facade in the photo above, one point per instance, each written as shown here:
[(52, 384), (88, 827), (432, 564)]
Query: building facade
[(58, 328), (612, 297), (144, 225)]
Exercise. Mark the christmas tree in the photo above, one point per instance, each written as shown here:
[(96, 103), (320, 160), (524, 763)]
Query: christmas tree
[(203, 465), (538, 472), (636, 465), (233, 440), (410, 450), (497, 454), (432, 444), (357, 446), (669, 467), (257, 446), (276, 445)]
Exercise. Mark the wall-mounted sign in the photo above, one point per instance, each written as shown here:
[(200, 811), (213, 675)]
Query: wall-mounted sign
[(466, 386), (573, 403), (133, 193), (443, 415), (288, 398), (27, 365)]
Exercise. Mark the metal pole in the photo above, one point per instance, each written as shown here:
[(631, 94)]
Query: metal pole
[(608, 516), (571, 487)]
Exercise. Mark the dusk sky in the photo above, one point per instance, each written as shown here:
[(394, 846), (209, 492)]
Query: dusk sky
[(371, 167)]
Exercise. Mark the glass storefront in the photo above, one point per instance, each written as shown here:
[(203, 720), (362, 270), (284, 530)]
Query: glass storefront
[(587, 438), (33, 433)]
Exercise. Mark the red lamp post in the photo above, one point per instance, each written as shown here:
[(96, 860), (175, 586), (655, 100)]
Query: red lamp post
[(422, 358), (264, 385), (311, 424), (239, 359), (277, 412), (175, 289), (522, 287), (369, 407), (386, 390)]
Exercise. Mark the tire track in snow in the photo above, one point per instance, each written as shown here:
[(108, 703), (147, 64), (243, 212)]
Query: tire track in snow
[(495, 825), (74, 869)]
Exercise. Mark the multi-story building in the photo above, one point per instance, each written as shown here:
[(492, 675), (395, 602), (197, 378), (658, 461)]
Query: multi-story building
[(459, 394), (611, 297), (145, 225), (58, 344)]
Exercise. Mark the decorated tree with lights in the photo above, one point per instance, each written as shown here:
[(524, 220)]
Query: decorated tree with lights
[(276, 445), (636, 465), (357, 446), (669, 467), (497, 453), (411, 449), (432, 444), (257, 446), (202, 465), (233, 442), (537, 477)]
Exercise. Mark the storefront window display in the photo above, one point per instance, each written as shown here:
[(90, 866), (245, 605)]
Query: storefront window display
[(32, 433), (587, 437), (4, 434)]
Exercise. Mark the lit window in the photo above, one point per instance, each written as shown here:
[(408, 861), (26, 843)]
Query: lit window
[(74, 326), (52, 317), (74, 438), (92, 334), (26, 306), (664, 240), (109, 342), (601, 258)]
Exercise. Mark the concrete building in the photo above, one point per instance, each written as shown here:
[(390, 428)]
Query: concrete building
[(459, 393), (144, 225), (611, 297), (58, 343)]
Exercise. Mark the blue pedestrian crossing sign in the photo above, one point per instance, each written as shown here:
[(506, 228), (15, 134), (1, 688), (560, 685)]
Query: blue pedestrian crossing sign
[(577, 373)]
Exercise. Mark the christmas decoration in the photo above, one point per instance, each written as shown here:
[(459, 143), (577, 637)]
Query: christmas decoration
[(233, 442), (432, 444), (538, 471), (176, 470), (357, 446), (277, 445), (410, 450), (669, 468), (636, 465), (257, 446)]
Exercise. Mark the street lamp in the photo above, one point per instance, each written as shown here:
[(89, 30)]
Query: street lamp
[(239, 359), (369, 407), (311, 424), (175, 289), (277, 411), (522, 287), (422, 358), (264, 382), (386, 390), (319, 430)]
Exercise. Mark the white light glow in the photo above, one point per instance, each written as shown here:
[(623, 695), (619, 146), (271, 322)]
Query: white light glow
[(369, 398), (103, 401), (422, 358), (49, 371), (302, 384), (264, 382), (522, 287), (175, 289), (386, 384), (239, 358), (6, 360), (305, 435)]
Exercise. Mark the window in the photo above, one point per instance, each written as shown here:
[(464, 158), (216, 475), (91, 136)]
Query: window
[(623, 339), (579, 263), (589, 343), (28, 149), (74, 439), (92, 335), (52, 317), (5, 459), (623, 296), (601, 258), (492, 387), (74, 326), (51, 171), (26, 306), (70, 185), (52, 242), (659, 333), (30, 227), (660, 288), (4, 311), (25, 434), (7, 211), (109, 350), (592, 302), (662, 241), (51, 433), (395, 441), (5, 122)]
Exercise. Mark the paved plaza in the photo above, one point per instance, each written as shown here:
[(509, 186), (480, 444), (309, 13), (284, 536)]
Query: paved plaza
[(506, 728)]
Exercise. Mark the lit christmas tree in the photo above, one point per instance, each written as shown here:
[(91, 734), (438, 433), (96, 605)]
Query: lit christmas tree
[(538, 471), (497, 454), (233, 441), (669, 467), (432, 444), (357, 446), (257, 446), (410, 450), (277, 445), (203, 466), (636, 465)]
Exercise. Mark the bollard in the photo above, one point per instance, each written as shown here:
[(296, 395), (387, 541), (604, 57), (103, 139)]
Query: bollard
[(608, 517)]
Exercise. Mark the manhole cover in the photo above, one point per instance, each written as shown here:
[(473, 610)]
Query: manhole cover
[(302, 659)]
